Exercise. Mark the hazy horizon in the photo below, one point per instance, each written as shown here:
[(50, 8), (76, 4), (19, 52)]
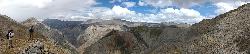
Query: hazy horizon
[(153, 11)]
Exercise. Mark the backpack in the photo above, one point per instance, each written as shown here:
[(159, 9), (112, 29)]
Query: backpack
[(7, 36), (31, 30)]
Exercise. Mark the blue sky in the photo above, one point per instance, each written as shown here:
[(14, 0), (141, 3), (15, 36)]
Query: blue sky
[(154, 11), (137, 8), (205, 9)]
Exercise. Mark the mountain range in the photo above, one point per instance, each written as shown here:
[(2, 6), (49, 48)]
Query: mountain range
[(227, 33)]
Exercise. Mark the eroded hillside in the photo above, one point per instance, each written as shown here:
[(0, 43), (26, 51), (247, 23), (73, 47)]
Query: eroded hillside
[(225, 34), (39, 44)]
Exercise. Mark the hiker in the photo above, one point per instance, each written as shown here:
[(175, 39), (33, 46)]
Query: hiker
[(10, 35), (31, 31)]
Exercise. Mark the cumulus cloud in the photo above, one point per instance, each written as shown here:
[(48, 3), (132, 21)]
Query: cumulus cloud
[(121, 11), (227, 6), (166, 3), (79, 10), (182, 3), (22, 9), (99, 13), (182, 15), (25, 3), (182, 11), (115, 12), (129, 4), (84, 9), (159, 3)]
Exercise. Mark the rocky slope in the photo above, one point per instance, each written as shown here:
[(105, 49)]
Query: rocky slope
[(225, 34), (20, 40), (94, 33), (69, 29), (53, 35), (82, 35), (137, 40), (116, 42)]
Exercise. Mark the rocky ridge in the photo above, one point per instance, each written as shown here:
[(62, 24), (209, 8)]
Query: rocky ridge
[(225, 34), (20, 40)]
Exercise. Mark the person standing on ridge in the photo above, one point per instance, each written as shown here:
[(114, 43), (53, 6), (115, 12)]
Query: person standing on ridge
[(31, 31), (10, 35)]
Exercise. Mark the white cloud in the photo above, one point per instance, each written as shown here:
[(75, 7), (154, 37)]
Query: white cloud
[(182, 3), (83, 10), (190, 12), (159, 3), (182, 11), (140, 3), (22, 9), (227, 6), (182, 15), (25, 3), (99, 13), (223, 7), (129, 4), (121, 11), (166, 3), (117, 1)]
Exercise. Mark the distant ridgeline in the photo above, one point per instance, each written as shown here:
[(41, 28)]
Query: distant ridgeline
[(228, 33)]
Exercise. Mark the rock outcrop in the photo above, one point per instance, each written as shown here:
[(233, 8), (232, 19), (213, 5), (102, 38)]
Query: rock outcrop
[(225, 34), (94, 33), (52, 34)]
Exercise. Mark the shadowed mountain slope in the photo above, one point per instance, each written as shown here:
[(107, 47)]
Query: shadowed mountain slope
[(227, 33)]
